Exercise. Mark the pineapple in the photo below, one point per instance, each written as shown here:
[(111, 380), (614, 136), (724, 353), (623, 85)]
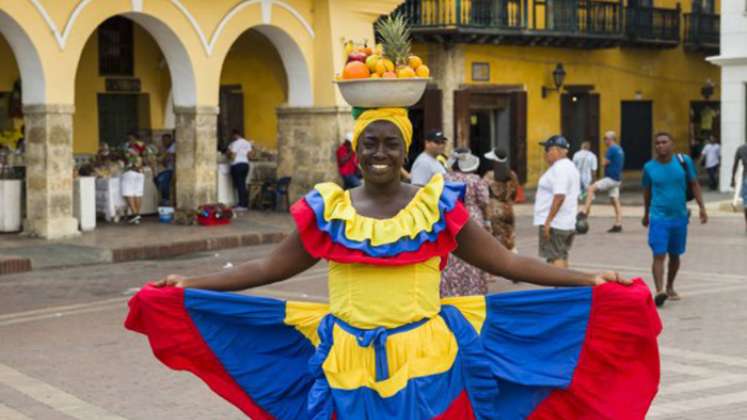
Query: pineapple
[(395, 37)]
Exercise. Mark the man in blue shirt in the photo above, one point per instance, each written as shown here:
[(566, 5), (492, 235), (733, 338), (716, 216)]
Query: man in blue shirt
[(613, 167), (665, 183)]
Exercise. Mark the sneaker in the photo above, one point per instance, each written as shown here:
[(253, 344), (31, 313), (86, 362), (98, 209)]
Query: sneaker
[(615, 229), (135, 220)]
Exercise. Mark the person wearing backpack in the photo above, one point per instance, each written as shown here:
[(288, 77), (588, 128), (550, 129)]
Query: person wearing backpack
[(669, 182)]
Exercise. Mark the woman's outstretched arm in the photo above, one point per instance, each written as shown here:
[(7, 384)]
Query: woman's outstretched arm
[(285, 261), (481, 249)]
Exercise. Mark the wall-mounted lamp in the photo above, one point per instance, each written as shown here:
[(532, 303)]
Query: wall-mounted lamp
[(707, 89), (558, 77)]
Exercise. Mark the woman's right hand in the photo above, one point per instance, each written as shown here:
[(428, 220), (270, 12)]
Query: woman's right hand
[(172, 280)]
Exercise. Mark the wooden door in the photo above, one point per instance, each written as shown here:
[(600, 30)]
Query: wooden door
[(231, 116), (579, 113), (118, 115), (425, 116), (636, 131), (519, 134), (461, 118)]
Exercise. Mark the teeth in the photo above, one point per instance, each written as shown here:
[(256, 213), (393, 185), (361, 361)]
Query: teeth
[(379, 166)]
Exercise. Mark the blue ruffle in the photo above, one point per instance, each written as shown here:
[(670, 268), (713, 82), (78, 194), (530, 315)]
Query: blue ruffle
[(452, 193)]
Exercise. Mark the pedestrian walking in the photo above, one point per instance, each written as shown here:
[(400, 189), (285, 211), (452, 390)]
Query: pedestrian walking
[(132, 181), (238, 152), (556, 203), (586, 163), (166, 166), (613, 163), (460, 278), (347, 163), (711, 157), (427, 163), (503, 184), (741, 157), (666, 181)]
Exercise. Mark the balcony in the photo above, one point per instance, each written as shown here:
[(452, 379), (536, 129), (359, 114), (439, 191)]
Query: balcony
[(590, 24), (652, 26), (702, 32)]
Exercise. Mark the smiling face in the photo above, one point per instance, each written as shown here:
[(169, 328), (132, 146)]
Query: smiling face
[(381, 152)]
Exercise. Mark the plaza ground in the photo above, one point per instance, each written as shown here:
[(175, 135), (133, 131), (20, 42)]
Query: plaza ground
[(64, 353)]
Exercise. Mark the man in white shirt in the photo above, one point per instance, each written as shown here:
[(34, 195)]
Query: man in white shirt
[(238, 153), (586, 163), (427, 164), (556, 203), (712, 155)]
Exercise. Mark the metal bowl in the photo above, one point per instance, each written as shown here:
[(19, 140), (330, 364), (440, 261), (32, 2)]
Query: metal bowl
[(378, 93)]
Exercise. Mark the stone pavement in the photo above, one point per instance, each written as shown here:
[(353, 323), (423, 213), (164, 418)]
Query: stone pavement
[(111, 242), (64, 353)]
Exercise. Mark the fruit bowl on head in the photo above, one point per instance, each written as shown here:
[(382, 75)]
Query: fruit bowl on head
[(379, 92)]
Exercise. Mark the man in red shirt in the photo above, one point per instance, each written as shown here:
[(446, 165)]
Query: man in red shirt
[(347, 163)]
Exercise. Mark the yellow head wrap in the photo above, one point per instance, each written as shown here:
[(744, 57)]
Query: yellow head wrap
[(396, 116)]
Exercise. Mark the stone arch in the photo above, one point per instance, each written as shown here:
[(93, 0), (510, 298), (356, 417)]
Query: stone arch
[(29, 63), (295, 64), (170, 41), (296, 69)]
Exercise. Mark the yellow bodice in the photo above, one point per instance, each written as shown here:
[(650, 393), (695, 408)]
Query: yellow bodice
[(369, 296)]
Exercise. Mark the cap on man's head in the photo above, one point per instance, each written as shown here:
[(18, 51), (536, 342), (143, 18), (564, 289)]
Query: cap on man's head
[(556, 141), (435, 135)]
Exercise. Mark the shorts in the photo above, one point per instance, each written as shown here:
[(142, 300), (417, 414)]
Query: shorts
[(667, 236), (558, 246), (132, 184), (608, 184)]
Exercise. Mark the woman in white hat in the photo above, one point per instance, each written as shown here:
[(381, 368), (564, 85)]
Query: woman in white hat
[(460, 278), (503, 184)]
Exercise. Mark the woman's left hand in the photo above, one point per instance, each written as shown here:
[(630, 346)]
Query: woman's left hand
[(610, 277)]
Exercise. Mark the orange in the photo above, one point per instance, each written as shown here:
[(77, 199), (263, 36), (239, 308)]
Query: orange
[(404, 72), (380, 67), (423, 71), (355, 70), (389, 75), (375, 76), (414, 61)]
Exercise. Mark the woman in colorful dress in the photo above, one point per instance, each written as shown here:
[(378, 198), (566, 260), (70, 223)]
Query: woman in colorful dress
[(460, 278), (503, 184), (386, 346)]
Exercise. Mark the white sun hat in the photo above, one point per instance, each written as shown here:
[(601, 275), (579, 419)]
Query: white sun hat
[(348, 137), (466, 161), (492, 155)]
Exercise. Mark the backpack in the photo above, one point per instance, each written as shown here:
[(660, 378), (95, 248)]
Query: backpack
[(689, 194)]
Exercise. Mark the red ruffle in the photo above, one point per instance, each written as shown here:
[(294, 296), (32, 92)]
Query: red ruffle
[(460, 409), (617, 375), (319, 245), (169, 324)]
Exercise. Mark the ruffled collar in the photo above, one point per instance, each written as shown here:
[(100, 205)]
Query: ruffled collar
[(419, 215)]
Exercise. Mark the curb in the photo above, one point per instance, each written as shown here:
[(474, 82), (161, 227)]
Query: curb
[(120, 255), (13, 265)]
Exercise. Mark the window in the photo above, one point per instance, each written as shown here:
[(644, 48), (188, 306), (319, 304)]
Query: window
[(116, 47)]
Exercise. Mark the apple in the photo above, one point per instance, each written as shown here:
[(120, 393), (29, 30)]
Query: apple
[(357, 56)]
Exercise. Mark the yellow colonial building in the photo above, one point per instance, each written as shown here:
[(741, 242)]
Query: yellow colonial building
[(79, 73), (510, 73)]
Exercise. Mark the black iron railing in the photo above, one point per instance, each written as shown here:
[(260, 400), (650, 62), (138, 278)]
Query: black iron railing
[(653, 24), (702, 30)]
